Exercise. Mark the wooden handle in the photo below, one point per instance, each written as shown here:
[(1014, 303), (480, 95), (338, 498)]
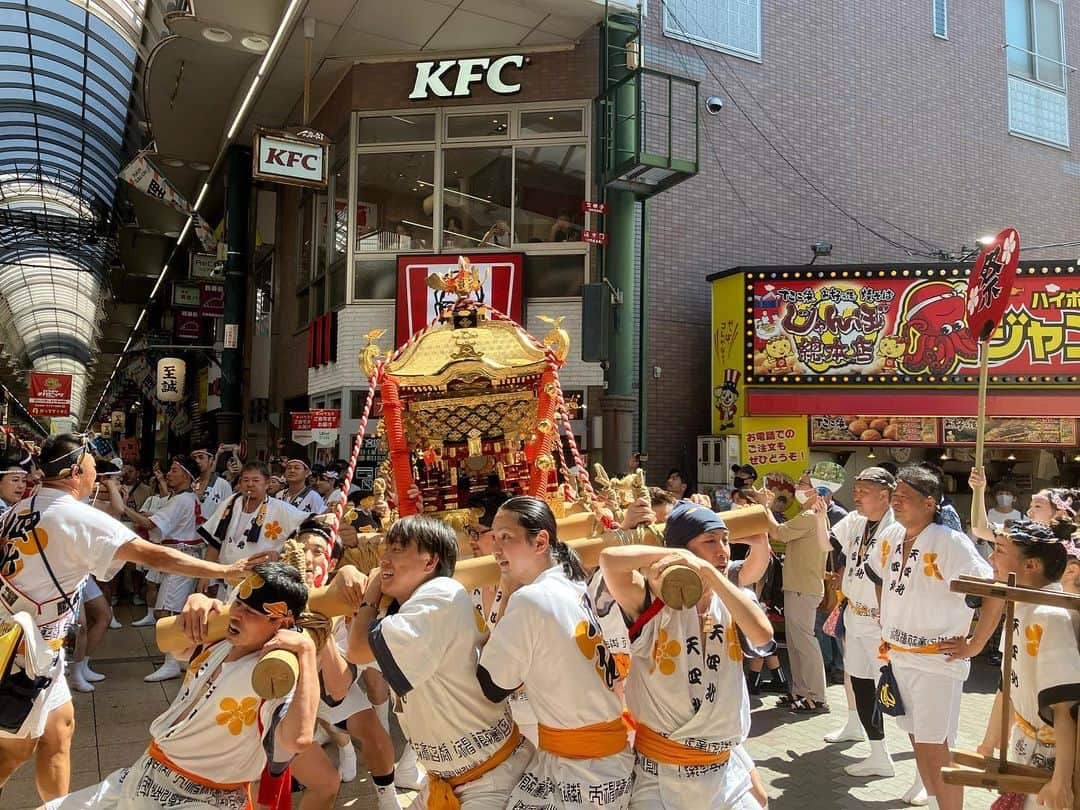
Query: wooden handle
[(275, 675), (680, 587)]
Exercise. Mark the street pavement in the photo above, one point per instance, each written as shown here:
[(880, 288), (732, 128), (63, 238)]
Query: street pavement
[(800, 770)]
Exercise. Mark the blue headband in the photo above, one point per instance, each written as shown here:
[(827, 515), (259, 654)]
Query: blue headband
[(688, 520)]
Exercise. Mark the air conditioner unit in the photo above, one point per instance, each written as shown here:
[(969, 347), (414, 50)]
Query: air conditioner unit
[(716, 455)]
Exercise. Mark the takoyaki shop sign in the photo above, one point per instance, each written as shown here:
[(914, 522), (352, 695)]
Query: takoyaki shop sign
[(906, 324)]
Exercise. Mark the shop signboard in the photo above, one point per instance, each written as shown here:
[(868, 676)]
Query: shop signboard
[(300, 427), (454, 78), (185, 295), (594, 237), (211, 299), (1035, 431), (324, 426), (728, 397), (50, 394), (591, 207), (499, 274), (778, 448), (61, 424), (905, 430), (371, 456), (202, 266), (883, 326), (281, 157), (187, 325)]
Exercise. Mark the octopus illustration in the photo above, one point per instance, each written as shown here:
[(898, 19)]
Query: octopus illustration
[(937, 337)]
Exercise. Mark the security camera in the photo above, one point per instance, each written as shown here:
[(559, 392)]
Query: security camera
[(713, 105)]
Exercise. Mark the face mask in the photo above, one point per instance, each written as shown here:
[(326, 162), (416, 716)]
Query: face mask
[(803, 495), (739, 483), (1004, 501)]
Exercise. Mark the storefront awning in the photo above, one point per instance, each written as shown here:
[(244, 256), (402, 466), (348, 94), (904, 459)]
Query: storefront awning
[(893, 402)]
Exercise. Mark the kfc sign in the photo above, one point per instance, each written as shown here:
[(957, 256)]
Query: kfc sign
[(454, 78), (293, 161)]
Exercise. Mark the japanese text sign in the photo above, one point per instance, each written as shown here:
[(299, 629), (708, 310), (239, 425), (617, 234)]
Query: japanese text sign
[(50, 394), (991, 284)]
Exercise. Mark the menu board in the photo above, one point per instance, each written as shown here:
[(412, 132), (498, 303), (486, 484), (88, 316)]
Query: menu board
[(907, 430), (1013, 431)]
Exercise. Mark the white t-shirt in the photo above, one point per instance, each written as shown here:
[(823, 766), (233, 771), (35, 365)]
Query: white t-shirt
[(240, 541), (428, 651), (308, 500), (176, 519), (997, 518), (77, 539), (917, 607)]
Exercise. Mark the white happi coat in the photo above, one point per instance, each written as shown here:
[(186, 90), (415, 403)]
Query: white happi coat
[(862, 633), (686, 682), (280, 521), (213, 496), (549, 639), (917, 607), (216, 729), (78, 540), (1045, 671), (307, 500), (428, 651)]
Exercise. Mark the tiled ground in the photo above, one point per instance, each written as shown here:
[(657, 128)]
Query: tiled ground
[(800, 770)]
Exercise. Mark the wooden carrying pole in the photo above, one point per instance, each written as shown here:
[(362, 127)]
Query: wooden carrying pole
[(472, 573), (974, 770), (980, 420)]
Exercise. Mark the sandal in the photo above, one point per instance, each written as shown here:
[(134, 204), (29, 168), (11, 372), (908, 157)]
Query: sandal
[(787, 700), (807, 706)]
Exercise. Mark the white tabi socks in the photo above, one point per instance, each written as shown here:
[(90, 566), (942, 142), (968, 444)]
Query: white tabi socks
[(879, 763), (166, 672), (916, 794), (852, 731)]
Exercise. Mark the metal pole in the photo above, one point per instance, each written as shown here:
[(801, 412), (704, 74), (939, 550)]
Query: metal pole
[(237, 207), (643, 334)]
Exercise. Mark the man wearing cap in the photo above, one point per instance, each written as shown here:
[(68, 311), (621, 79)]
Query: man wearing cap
[(174, 524), (805, 539), (211, 489), (686, 689), (216, 737), (49, 544), (1045, 672), (297, 492), (857, 536), (249, 522), (925, 626)]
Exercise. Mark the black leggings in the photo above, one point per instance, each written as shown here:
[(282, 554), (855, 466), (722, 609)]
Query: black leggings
[(865, 701)]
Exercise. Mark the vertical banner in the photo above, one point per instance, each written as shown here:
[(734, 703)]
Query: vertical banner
[(728, 399), (778, 448), (50, 394)]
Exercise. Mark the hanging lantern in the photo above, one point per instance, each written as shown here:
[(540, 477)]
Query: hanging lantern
[(170, 379)]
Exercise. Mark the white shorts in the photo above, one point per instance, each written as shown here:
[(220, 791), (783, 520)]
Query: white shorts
[(861, 652), (51, 698), (489, 792), (90, 590), (931, 704), (174, 589), (355, 700), (668, 787), (154, 576)]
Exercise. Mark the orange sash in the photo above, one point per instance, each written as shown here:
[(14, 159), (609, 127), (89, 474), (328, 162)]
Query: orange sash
[(1043, 734), (441, 791), (588, 742), (155, 753), (883, 650), (662, 749)]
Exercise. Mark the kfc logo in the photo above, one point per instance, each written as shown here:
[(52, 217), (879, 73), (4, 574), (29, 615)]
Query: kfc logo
[(432, 77)]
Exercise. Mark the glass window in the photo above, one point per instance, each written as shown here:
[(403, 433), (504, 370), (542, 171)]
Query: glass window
[(375, 279), (302, 306), (1033, 41), (318, 298), (733, 26), (341, 213), (406, 128), (555, 276), (551, 122), (476, 197), (321, 230), (337, 284), (303, 259), (480, 125), (394, 201), (550, 190)]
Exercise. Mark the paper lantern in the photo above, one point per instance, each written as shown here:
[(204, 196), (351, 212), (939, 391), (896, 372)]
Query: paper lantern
[(170, 379)]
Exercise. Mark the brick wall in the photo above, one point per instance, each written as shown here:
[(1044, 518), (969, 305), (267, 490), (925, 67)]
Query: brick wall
[(903, 130)]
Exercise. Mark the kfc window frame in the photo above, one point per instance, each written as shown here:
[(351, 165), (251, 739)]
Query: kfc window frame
[(514, 139)]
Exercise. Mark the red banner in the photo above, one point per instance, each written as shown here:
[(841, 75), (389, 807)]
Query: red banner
[(891, 326), (50, 394), (325, 418), (417, 303)]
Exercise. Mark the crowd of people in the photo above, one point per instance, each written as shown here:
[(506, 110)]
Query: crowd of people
[(558, 685)]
